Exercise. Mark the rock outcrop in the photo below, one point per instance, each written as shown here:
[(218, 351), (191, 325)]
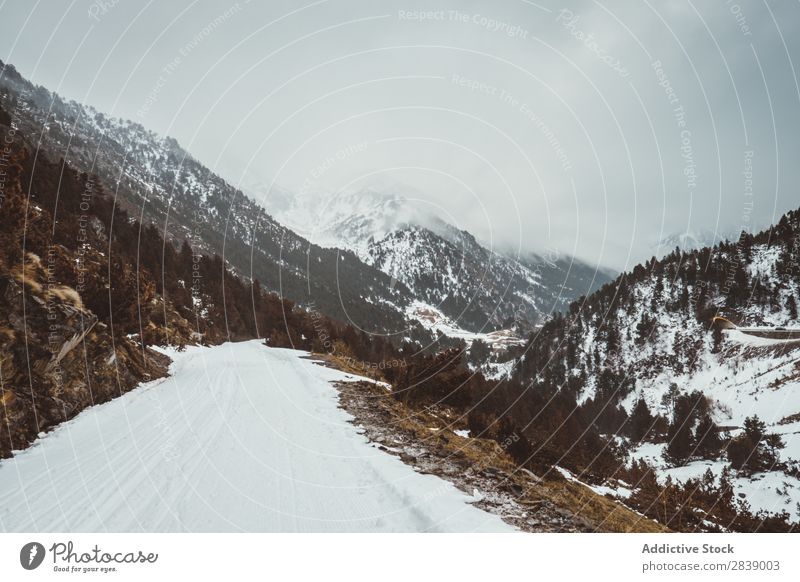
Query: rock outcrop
[(56, 357)]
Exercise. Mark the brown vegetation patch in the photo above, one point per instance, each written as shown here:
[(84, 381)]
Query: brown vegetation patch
[(482, 468)]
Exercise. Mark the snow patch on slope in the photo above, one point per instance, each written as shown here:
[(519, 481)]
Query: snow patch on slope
[(434, 320), (772, 492)]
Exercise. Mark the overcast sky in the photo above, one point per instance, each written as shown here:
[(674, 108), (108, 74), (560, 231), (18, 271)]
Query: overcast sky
[(593, 128)]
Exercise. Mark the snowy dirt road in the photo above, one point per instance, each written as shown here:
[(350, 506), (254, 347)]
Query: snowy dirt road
[(241, 437)]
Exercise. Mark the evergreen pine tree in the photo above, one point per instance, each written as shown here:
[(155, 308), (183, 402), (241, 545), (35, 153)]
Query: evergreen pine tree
[(640, 422), (707, 440), (679, 445), (791, 305)]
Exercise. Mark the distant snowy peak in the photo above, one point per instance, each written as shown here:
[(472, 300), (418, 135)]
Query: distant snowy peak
[(393, 228), (349, 219), (690, 240)]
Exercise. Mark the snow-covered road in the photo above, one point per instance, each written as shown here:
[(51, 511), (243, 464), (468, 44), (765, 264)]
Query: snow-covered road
[(240, 438)]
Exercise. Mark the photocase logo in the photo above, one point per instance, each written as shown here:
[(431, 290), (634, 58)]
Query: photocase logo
[(31, 555)]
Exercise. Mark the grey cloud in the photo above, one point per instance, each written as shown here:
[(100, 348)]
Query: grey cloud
[(533, 127)]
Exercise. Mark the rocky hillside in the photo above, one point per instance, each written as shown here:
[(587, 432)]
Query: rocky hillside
[(85, 288), (58, 350), (57, 357)]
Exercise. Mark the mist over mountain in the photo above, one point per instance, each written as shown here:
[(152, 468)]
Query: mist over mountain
[(691, 240), (393, 227)]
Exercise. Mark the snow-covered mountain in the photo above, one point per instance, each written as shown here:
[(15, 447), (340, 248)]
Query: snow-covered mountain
[(394, 228), (348, 219), (647, 341)]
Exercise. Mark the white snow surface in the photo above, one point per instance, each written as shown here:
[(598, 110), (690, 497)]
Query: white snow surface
[(434, 320), (240, 437), (772, 492)]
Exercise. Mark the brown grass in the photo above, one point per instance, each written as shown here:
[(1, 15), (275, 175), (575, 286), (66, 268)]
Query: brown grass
[(429, 428), (66, 295), (603, 513), (351, 365), (7, 397)]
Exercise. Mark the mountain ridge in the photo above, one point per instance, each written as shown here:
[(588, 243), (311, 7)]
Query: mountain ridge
[(392, 228)]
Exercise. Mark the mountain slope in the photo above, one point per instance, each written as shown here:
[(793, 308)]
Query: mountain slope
[(642, 360), (241, 437), (653, 325), (157, 180)]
